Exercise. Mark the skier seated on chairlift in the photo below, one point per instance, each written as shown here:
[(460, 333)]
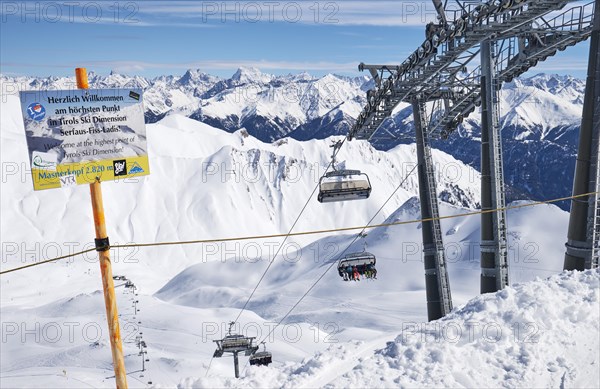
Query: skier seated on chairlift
[(349, 274), (343, 273), (362, 269), (371, 272), (355, 273)]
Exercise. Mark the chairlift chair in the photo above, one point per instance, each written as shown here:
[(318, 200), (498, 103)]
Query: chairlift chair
[(356, 259), (261, 358), (234, 343), (344, 185), (360, 260)]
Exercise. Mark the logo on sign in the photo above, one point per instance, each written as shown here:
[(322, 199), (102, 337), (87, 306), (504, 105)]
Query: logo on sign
[(120, 167), (68, 181), (44, 161), (136, 169), (36, 111), (133, 95)]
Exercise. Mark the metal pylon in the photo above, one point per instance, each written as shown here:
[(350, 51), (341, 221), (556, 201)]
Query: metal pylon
[(494, 256), (582, 239), (595, 259), (439, 298)]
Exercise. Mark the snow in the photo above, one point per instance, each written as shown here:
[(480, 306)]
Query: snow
[(250, 74), (536, 334), (206, 184), (535, 107), (288, 102)]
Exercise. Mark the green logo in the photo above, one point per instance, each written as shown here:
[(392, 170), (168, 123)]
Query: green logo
[(40, 163)]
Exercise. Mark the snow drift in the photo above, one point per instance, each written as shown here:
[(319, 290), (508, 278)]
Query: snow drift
[(542, 333)]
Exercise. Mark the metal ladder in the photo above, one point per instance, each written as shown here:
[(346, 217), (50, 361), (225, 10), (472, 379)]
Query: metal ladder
[(595, 214), (438, 243), (498, 195), (596, 231), (433, 201)]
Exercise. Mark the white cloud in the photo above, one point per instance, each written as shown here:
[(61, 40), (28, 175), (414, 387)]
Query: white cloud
[(347, 12), (208, 65), (232, 64)]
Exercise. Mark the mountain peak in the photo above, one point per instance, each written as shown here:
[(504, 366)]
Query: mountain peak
[(194, 76), (251, 74)]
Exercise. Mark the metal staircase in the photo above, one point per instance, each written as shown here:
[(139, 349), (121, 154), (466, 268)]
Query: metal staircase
[(517, 55)]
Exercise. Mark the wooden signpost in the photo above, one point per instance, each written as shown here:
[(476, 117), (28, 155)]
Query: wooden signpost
[(79, 137), (103, 247)]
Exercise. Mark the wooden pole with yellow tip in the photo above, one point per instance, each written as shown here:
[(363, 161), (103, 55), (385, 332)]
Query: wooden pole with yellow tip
[(103, 248)]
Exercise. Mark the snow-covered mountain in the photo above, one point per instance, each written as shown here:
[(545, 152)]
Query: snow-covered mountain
[(206, 183), (541, 116), (221, 184), (269, 107)]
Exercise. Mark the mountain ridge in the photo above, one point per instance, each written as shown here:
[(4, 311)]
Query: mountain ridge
[(540, 116)]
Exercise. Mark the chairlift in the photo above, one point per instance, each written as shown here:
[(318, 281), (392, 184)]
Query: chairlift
[(357, 259), (364, 262), (261, 358), (343, 185), (234, 343)]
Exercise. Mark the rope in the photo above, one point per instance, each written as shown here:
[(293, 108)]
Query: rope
[(47, 261), (209, 364), (312, 232)]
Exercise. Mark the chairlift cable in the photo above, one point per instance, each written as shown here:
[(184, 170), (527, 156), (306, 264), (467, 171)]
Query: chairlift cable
[(341, 254), (331, 164), (209, 364)]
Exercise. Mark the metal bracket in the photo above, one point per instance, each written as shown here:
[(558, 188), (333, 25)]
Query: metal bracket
[(102, 244)]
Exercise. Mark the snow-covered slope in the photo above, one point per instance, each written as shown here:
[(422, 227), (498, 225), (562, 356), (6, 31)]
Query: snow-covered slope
[(537, 334), (207, 183)]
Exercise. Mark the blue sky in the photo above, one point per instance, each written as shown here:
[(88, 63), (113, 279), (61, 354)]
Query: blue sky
[(150, 38)]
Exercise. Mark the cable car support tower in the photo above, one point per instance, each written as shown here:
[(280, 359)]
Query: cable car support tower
[(444, 83), (583, 246), (439, 300), (235, 344)]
